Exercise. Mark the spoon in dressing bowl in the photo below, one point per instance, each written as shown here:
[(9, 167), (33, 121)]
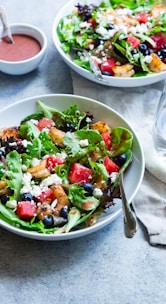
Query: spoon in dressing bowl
[(6, 28)]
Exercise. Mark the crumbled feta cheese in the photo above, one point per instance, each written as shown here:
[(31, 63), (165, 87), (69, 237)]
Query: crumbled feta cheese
[(123, 11), (102, 31), (26, 189), (24, 167), (88, 119), (84, 143), (50, 180), (12, 144), (121, 37), (25, 143), (100, 47), (61, 155), (27, 178), (136, 56), (35, 190), (34, 121), (11, 204), (91, 46), (85, 24), (113, 176), (45, 130), (148, 59), (35, 161), (26, 183), (97, 192)]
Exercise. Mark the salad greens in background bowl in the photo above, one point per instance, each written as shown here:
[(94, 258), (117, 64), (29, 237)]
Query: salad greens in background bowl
[(125, 39), (61, 156)]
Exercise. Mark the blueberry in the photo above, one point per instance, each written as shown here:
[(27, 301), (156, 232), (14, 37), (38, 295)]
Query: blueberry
[(143, 48), (98, 42), (64, 212), (106, 73), (26, 197), (163, 52), (70, 127), (4, 199), (120, 159), (48, 221), (88, 189), (134, 52)]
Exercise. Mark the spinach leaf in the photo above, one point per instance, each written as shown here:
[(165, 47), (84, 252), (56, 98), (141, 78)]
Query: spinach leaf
[(122, 140)]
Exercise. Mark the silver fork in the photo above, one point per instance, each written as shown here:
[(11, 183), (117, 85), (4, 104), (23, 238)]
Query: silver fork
[(94, 67), (129, 219)]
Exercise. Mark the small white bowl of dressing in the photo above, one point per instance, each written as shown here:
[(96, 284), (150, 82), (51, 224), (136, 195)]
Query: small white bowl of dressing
[(25, 53)]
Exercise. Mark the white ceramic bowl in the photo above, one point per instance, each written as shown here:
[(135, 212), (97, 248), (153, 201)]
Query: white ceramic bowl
[(107, 80), (25, 66), (13, 114)]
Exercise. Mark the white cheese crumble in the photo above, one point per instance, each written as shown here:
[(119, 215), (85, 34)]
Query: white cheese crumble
[(61, 155), (97, 192), (34, 121), (35, 162), (11, 204), (91, 46), (50, 180), (24, 168), (35, 190), (136, 56), (148, 59), (24, 143), (88, 119), (46, 130), (113, 176), (85, 24), (84, 143), (13, 144)]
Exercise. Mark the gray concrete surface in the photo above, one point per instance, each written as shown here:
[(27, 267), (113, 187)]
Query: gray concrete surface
[(101, 268)]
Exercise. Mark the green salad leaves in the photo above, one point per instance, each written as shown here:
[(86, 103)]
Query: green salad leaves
[(54, 182)]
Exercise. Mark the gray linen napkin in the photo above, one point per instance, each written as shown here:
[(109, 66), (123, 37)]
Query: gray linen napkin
[(138, 106)]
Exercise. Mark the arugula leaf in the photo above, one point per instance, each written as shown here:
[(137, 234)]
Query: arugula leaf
[(41, 142), (83, 64), (11, 218), (99, 170), (35, 116), (71, 115), (72, 143), (62, 171), (29, 131), (13, 173), (73, 217), (78, 199)]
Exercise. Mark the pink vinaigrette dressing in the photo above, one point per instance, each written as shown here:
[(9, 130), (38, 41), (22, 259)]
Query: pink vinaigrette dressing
[(24, 47)]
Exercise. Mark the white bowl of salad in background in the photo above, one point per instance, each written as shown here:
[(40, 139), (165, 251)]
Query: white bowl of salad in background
[(51, 185), (126, 41)]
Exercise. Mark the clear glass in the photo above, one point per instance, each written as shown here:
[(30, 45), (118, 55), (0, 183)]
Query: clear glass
[(159, 132)]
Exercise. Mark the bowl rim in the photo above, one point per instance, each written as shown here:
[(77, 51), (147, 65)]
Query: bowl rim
[(35, 29), (128, 81), (99, 224)]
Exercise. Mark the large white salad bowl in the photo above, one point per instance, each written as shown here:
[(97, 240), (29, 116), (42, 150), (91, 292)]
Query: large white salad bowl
[(107, 80), (13, 114)]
